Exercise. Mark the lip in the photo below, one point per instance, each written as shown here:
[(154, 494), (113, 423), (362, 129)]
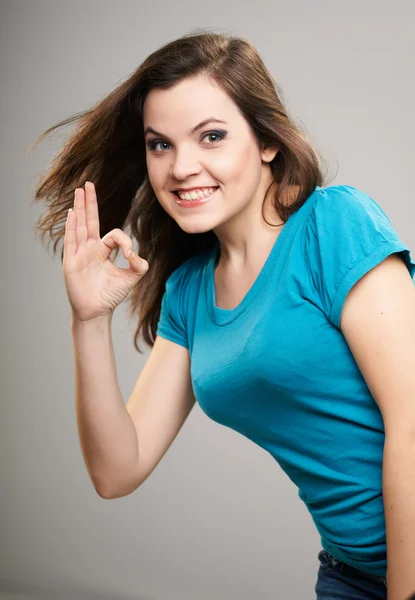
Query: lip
[(194, 203)]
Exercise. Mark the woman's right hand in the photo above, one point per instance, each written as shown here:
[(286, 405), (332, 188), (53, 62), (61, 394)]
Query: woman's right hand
[(95, 286)]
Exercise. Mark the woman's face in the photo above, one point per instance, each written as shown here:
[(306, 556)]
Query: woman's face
[(218, 154)]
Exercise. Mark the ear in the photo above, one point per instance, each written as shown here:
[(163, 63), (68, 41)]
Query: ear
[(268, 153)]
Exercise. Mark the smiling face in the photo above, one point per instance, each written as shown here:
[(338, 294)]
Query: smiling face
[(219, 154)]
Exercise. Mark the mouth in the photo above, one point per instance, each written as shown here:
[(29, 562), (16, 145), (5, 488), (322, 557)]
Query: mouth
[(214, 188), (197, 201)]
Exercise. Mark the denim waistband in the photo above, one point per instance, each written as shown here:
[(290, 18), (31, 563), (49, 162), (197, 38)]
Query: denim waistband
[(326, 558)]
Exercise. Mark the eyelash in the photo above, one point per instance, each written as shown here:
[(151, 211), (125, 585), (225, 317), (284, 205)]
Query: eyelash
[(153, 143)]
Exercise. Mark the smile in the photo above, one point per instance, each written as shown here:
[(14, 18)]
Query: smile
[(193, 202)]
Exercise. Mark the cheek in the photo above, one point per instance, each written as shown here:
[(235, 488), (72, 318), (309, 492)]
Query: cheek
[(152, 172), (240, 168), (241, 161)]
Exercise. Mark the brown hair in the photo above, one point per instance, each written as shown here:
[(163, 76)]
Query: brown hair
[(108, 148)]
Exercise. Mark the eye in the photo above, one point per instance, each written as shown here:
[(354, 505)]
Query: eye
[(152, 144), (216, 134)]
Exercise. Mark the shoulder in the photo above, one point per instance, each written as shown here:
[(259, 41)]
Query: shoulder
[(347, 234), (337, 200), (177, 303), (344, 212)]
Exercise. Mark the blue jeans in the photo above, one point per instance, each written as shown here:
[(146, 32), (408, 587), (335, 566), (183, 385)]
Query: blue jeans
[(338, 581)]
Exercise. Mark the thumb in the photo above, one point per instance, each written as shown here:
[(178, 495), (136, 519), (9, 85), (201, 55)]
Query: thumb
[(137, 263)]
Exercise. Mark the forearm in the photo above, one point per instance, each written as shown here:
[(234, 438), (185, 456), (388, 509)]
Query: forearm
[(399, 502), (107, 434)]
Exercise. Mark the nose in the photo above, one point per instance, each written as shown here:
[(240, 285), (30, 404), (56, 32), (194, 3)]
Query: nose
[(184, 165)]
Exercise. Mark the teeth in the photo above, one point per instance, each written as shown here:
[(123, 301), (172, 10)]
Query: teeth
[(196, 194)]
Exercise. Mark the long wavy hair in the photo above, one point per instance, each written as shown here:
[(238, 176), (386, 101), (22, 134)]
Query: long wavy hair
[(108, 148)]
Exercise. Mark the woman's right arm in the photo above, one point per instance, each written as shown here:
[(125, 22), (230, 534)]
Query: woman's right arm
[(123, 443)]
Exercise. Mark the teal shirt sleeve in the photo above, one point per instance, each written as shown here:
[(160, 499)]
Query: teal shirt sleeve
[(172, 321), (348, 234)]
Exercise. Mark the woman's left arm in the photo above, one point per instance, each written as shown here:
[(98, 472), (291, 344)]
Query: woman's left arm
[(399, 501), (378, 323)]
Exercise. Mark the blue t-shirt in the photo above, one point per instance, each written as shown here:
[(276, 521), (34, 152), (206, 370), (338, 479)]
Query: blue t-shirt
[(277, 368)]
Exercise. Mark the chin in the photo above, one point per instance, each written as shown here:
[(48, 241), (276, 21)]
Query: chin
[(192, 228)]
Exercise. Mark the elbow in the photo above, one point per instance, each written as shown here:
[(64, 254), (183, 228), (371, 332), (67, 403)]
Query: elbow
[(104, 493), (114, 492)]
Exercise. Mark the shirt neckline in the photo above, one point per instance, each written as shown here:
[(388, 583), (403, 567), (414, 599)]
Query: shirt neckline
[(224, 316)]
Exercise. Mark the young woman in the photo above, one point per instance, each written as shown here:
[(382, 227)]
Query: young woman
[(244, 293)]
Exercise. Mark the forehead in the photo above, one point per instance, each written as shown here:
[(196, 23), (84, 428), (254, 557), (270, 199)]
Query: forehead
[(186, 103)]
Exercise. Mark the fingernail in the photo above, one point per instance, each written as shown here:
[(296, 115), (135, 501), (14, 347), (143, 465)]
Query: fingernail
[(129, 252)]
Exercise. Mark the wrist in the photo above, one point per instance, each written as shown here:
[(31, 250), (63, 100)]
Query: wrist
[(94, 323)]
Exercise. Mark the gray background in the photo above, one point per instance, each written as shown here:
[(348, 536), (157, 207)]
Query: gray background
[(218, 518)]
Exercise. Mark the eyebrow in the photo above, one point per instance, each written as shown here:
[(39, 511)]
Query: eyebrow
[(191, 132)]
